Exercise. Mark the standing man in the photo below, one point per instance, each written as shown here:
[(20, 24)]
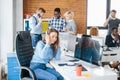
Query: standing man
[(112, 21), (57, 22), (35, 26)]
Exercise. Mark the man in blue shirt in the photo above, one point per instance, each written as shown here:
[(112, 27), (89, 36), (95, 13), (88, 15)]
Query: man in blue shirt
[(57, 22), (35, 26)]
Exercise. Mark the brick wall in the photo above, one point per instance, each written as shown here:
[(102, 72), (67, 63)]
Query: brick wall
[(78, 6)]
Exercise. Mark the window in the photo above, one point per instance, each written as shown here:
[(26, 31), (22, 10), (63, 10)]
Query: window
[(96, 12), (115, 4)]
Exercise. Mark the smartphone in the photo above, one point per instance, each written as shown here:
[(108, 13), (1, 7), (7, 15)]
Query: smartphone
[(39, 15)]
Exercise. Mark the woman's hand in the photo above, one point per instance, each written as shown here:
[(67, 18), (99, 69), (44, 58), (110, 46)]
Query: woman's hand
[(47, 38)]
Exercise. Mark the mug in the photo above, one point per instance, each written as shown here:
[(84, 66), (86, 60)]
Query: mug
[(79, 70)]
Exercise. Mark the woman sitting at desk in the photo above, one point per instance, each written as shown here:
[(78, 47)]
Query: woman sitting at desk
[(86, 50), (44, 52), (94, 32)]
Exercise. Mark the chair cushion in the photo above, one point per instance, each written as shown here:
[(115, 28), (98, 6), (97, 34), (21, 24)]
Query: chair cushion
[(24, 35)]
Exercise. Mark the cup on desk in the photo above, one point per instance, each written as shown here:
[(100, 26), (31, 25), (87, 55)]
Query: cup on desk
[(79, 70)]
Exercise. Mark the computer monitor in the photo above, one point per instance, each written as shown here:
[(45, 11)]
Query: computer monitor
[(72, 42), (67, 41), (99, 39), (101, 42)]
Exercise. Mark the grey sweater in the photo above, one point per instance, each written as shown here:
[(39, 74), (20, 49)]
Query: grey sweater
[(71, 26)]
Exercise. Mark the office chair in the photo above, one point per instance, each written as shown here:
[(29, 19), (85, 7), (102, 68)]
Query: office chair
[(24, 53)]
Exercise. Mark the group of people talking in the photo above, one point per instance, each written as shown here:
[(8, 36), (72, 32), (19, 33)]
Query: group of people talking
[(66, 24)]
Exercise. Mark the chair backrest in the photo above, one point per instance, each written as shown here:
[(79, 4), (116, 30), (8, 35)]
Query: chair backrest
[(24, 49)]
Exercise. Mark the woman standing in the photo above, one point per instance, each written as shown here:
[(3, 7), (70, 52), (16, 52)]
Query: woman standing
[(70, 23), (46, 50)]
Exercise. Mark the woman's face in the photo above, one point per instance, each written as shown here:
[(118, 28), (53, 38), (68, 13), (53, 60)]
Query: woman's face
[(67, 17), (53, 37)]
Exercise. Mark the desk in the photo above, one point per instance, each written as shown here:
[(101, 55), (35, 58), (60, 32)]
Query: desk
[(113, 55), (95, 72)]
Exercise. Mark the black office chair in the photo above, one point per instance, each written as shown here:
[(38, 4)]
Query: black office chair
[(24, 53)]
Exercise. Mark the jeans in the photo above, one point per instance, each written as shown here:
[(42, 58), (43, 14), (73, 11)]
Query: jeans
[(35, 39), (45, 73)]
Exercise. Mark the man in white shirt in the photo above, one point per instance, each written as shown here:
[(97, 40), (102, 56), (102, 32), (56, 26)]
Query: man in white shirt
[(35, 26)]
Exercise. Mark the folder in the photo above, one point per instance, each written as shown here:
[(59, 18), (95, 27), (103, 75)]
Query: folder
[(44, 26)]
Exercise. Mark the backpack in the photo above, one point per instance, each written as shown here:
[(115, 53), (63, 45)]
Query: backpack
[(27, 26)]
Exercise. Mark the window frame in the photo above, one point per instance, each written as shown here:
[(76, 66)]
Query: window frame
[(107, 14)]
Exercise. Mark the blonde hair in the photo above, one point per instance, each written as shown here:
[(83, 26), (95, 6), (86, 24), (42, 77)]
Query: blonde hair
[(70, 14), (94, 31)]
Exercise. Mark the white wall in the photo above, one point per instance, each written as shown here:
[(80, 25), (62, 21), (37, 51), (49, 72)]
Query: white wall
[(6, 27), (11, 14), (17, 18), (0, 28), (19, 14)]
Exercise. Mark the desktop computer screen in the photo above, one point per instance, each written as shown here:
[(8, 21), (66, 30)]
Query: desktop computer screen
[(67, 41), (101, 43), (99, 39)]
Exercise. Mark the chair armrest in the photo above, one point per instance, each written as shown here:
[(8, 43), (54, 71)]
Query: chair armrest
[(29, 70)]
